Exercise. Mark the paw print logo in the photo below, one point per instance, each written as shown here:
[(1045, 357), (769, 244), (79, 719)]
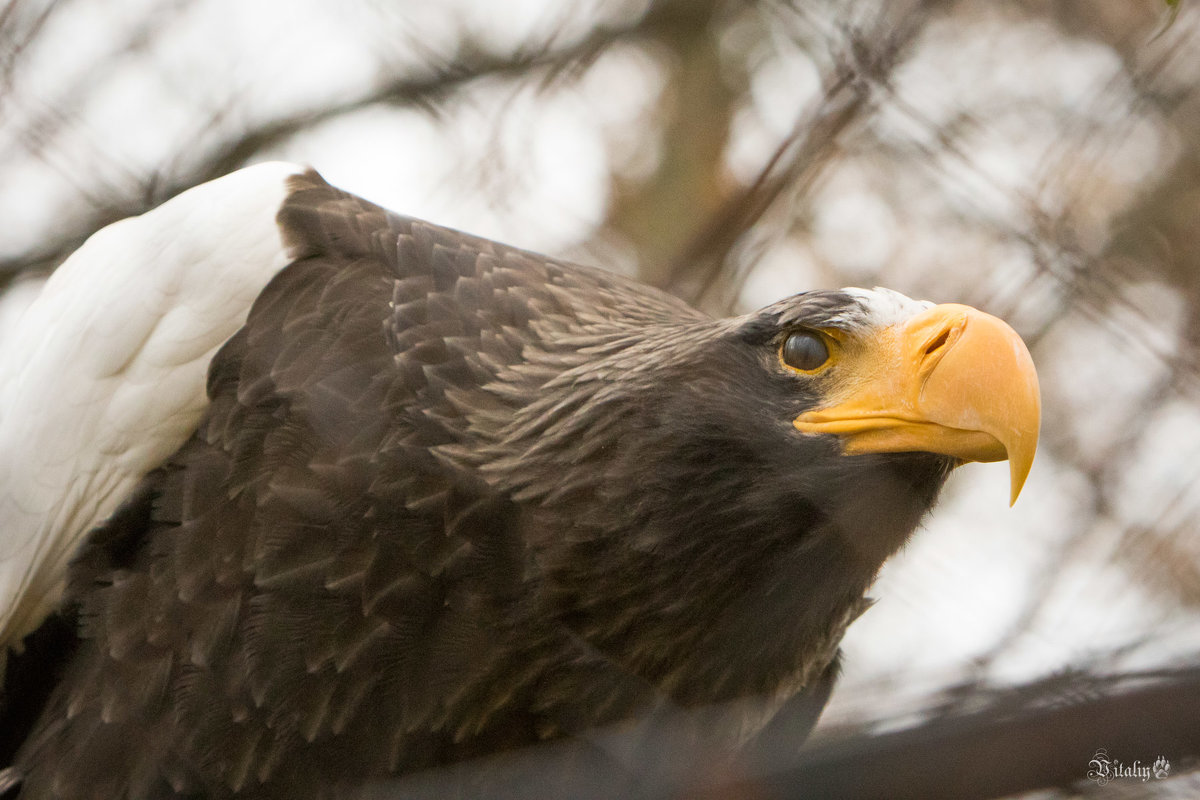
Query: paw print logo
[(1161, 768)]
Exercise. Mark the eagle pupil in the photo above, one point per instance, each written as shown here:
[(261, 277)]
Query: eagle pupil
[(805, 351)]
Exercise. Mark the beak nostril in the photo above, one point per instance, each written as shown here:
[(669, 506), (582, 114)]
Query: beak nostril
[(937, 343)]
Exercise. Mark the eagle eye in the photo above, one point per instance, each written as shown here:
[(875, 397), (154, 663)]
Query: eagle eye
[(805, 351)]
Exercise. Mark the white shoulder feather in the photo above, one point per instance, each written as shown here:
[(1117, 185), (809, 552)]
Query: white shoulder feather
[(102, 377)]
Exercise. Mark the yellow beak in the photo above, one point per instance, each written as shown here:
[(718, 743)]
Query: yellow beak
[(952, 380)]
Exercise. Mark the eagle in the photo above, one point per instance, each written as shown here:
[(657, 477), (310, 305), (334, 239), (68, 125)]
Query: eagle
[(297, 493)]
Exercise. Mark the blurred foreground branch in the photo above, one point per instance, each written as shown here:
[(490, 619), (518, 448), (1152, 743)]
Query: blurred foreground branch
[(985, 744)]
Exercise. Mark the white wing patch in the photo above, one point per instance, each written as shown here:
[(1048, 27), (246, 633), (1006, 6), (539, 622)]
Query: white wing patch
[(102, 377)]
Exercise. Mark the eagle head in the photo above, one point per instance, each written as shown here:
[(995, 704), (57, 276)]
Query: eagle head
[(714, 497)]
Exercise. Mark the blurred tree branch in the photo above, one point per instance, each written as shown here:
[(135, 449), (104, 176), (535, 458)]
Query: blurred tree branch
[(980, 744), (701, 265), (1035, 737), (472, 63)]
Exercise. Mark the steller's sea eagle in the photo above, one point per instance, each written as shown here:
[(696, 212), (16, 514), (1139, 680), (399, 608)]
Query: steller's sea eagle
[(297, 494)]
